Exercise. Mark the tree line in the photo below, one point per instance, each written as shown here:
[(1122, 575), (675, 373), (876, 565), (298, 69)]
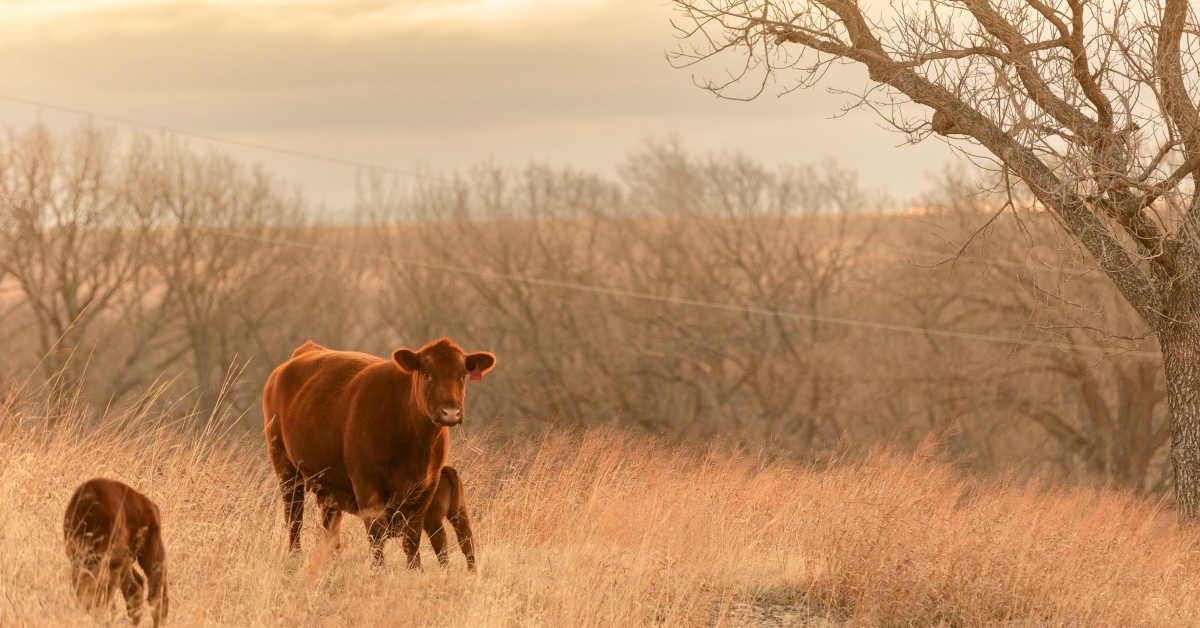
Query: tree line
[(689, 297)]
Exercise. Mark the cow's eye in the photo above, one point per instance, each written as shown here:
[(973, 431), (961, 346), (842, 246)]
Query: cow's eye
[(427, 376)]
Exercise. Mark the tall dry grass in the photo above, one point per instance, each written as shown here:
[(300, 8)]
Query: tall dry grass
[(602, 528)]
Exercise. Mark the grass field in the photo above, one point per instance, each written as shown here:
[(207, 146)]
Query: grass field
[(602, 529)]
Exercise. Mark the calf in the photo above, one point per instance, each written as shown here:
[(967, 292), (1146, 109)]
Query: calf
[(107, 527), (448, 503)]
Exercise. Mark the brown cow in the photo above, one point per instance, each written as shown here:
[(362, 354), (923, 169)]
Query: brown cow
[(448, 503), (367, 436), (108, 526)]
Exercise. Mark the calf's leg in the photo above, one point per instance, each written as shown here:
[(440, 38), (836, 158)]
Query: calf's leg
[(133, 587), (437, 538), (90, 584), (331, 520), (456, 512), (435, 517), (406, 523), (449, 503), (411, 532), (462, 529), (293, 504), (153, 559)]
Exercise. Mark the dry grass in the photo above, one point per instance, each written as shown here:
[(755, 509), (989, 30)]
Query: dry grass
[(604, 529)]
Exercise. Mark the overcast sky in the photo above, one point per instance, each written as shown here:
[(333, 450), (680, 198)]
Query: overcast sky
[(432, 84)]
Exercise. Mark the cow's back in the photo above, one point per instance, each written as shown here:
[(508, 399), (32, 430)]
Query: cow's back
[(313, 381), (306, 405)]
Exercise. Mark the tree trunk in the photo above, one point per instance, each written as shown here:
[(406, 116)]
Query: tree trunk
[(1180, 341)]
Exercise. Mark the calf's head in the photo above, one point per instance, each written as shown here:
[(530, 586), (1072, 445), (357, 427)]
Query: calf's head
[(439, 372)]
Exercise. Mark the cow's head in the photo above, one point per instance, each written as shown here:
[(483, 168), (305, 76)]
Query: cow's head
[(439, 373)]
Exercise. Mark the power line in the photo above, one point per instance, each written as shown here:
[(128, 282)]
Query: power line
[(406, 173), (561, 284), (945, 257), (647, 296), (220, 139), (951, 257)]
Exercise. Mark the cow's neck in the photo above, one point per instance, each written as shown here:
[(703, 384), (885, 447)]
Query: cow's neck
[(432, 444), (426, 430)]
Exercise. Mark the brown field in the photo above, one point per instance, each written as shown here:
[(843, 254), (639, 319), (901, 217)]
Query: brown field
[(603, 528), (690, 298), (690, 301)]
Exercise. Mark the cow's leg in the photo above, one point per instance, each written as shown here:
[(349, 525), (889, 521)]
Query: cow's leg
[(331, 520), (133, 587), (377, 533), (293, 508), (291, 484), (153, 559)]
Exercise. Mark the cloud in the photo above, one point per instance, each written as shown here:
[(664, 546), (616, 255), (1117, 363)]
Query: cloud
[(448, 83), (68, 20), (199, 70)]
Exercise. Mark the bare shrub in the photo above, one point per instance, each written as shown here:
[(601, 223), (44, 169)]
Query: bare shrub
[(237, 280), (141, 260), (1084, 406), (72, 232), (589, 290)]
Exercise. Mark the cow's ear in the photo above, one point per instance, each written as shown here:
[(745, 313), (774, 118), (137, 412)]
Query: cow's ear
[(407, 360), (480, 363)]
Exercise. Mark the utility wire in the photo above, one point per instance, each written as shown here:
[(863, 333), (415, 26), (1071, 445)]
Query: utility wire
[(647, 296), (220, 139), (950, 257), (946, 256), (618, 292)]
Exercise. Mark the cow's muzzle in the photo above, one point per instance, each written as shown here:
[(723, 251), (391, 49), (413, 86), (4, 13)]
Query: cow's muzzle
[(448, 415)]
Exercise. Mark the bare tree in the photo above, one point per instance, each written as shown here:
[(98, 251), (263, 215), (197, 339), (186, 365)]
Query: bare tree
[(722, 230), (224, 251), (729, 231), (1107, 416), (538, 223), (1089, 104), (1065, 407), (71, 234)]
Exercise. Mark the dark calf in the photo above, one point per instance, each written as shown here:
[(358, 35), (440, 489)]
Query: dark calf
[(449, 503), (109, 526)]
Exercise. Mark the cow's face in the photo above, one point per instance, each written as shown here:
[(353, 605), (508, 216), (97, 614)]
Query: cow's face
[(439, 372)]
